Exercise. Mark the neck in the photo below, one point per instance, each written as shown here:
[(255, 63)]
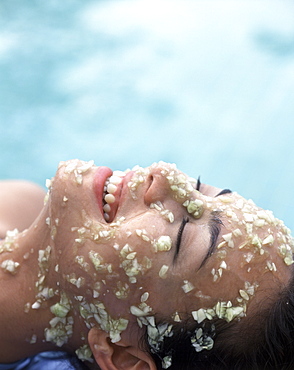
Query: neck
[(29, 289)]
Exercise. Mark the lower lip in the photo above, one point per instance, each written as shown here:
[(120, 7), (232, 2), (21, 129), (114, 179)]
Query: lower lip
[(100, 177)]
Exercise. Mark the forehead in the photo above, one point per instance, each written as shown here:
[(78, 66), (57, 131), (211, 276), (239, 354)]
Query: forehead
[(254, 251), (249, 225)]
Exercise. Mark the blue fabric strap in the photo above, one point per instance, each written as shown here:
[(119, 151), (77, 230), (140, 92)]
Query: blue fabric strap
[(42, 361)]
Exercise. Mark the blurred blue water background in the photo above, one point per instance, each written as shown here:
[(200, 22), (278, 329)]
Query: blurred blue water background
[(206, 84)]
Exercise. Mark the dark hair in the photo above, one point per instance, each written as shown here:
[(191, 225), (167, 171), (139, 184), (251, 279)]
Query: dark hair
[(264, 341)]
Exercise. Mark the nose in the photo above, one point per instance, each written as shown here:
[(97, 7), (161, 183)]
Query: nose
[(157, 189)]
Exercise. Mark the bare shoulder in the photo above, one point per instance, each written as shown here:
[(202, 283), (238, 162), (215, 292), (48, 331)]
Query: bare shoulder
[(20, 203)]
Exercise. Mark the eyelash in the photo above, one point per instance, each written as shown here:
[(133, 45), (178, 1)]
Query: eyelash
[(224, 191), (184, 222), (180, 234), (198, 184)]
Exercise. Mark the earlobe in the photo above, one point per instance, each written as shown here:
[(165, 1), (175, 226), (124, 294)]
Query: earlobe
[(117, 356)]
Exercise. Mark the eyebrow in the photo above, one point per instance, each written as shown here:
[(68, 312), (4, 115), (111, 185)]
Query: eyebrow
[(214, 224)]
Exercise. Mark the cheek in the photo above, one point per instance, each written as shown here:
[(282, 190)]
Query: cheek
[(144, 250), (118, 263)]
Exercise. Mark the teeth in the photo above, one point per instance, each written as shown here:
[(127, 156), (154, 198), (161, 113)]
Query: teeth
[(115, 180), (110, 188), (106, 208), (119, 173), (109, 198)]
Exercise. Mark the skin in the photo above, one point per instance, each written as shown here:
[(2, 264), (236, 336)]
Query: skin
[(120, 267), (20, 202)]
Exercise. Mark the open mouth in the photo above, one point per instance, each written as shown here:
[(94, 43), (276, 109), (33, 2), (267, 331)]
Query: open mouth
[(111, 195)]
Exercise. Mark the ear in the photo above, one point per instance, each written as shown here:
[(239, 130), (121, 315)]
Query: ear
[(117, 356)]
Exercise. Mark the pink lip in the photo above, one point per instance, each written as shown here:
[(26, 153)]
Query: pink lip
[(100, 177)]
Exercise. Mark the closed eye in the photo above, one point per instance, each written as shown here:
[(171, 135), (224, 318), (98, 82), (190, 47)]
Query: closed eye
[(180, 234), (215, 225)]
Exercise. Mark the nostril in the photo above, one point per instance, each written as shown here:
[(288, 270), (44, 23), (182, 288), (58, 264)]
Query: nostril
[(156, 189), (150, 181), (149, 193)]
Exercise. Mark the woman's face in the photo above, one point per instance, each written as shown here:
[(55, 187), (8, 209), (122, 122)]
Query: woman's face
[(150, 243)]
